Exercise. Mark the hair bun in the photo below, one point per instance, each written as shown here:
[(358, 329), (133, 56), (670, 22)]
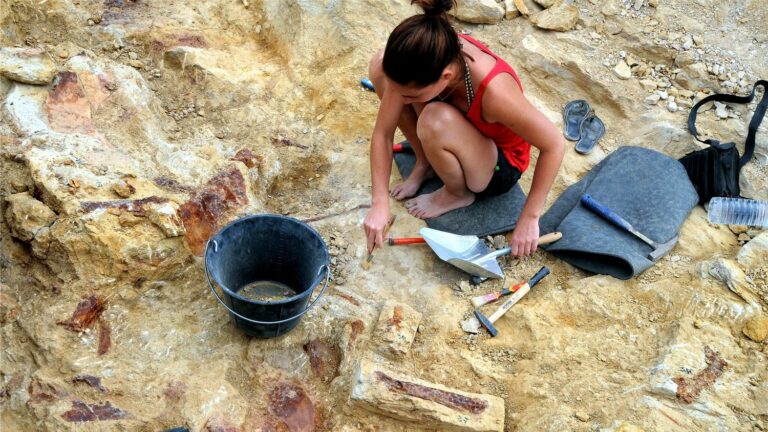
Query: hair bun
[(435, 7)]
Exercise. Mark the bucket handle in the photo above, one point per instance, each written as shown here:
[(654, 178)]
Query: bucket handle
[(314, 285)]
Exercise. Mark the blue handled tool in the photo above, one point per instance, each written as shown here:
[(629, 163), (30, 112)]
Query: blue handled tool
[(365, 82), (659, 249)]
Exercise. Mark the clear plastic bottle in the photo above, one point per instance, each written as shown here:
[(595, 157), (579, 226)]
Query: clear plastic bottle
[(738, 211)]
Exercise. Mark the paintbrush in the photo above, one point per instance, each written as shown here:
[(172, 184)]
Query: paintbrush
[(492, 297), (368, 261)]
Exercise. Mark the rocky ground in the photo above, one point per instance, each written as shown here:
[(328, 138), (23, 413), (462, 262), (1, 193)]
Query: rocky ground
[(131, 130)]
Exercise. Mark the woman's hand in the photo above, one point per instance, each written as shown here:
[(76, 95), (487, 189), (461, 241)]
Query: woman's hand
[(374, 225), (525, 237)]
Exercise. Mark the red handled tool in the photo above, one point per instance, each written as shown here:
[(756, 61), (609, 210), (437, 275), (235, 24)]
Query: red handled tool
[(405, 241), (402, 147)]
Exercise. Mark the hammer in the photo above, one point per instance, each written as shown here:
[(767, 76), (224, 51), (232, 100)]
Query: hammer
[(507, 305), (659, 249)]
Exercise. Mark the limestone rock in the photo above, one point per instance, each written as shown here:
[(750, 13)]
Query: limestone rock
[(582, 416), (165, 215), (410, 399), (652, 99), (560, 17), (756, 328), (611, 8), (114, 239), (479, 11), (693, 77), (628, 427), (545, 3), (471, 325), (622, 70), (26, 216), (729, 272), (510, 10), (397, 327), (123, 189), (685, 58), (27, 65), (754, 253), (694, 370), (521, 7)]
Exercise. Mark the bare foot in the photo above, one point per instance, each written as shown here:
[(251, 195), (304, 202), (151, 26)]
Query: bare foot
[(411, 185), (438, 202)]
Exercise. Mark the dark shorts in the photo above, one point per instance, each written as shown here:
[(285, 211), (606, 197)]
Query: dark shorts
[(504, 177)]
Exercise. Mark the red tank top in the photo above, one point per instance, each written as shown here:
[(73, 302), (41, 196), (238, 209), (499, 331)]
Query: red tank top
[(515, 148)]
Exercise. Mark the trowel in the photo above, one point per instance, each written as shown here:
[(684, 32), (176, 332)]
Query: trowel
[(470, 253)]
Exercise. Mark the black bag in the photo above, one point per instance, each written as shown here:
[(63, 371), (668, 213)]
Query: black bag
[(714, 171)]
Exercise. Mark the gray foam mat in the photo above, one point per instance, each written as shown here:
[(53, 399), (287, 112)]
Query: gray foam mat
[(486, 216), (648, 189)]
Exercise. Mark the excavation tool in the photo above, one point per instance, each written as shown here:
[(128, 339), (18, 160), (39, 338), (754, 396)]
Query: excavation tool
[(397, 241), (659, 249), (487, 322), (492, 297), (367, 84), (470, 253), (368, 262)]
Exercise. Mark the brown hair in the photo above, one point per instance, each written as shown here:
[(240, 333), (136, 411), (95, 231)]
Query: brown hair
[(421, 46)]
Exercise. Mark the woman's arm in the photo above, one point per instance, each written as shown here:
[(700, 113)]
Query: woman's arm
[(504, 103), (381, 167)]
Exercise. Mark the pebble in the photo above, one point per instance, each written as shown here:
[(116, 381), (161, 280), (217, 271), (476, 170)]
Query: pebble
[(652, 99), (672, 106), (462, 286), (756, 328), (582, 416), (663, 95), (721, 110), (698, 324), (688, 44), (622, 70), (648, 85)]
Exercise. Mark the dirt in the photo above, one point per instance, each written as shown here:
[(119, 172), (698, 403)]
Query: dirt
[(245, 107), (266, 291)]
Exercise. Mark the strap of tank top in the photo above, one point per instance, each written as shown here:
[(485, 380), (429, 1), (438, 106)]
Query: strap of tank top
[(477, 43)]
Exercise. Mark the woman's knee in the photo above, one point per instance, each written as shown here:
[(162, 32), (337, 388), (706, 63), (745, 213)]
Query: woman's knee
[(435, 120)]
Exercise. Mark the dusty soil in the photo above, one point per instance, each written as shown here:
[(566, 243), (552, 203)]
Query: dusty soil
[(183, 87)]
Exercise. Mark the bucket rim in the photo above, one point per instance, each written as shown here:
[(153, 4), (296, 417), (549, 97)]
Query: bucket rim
[(230, 292)]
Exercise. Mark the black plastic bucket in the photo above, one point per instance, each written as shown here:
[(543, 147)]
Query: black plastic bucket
[(266, 248)]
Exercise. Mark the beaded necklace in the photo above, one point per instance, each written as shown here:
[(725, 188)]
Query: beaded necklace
[(467, 86)]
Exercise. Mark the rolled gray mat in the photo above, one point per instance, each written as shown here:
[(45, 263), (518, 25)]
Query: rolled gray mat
[(647, 188)]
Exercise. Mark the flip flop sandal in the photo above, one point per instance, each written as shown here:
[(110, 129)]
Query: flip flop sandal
[(574, 112), (590, 132)]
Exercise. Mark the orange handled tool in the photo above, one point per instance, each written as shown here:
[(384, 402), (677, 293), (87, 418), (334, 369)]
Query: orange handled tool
[(405, 241), (402, 147)]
